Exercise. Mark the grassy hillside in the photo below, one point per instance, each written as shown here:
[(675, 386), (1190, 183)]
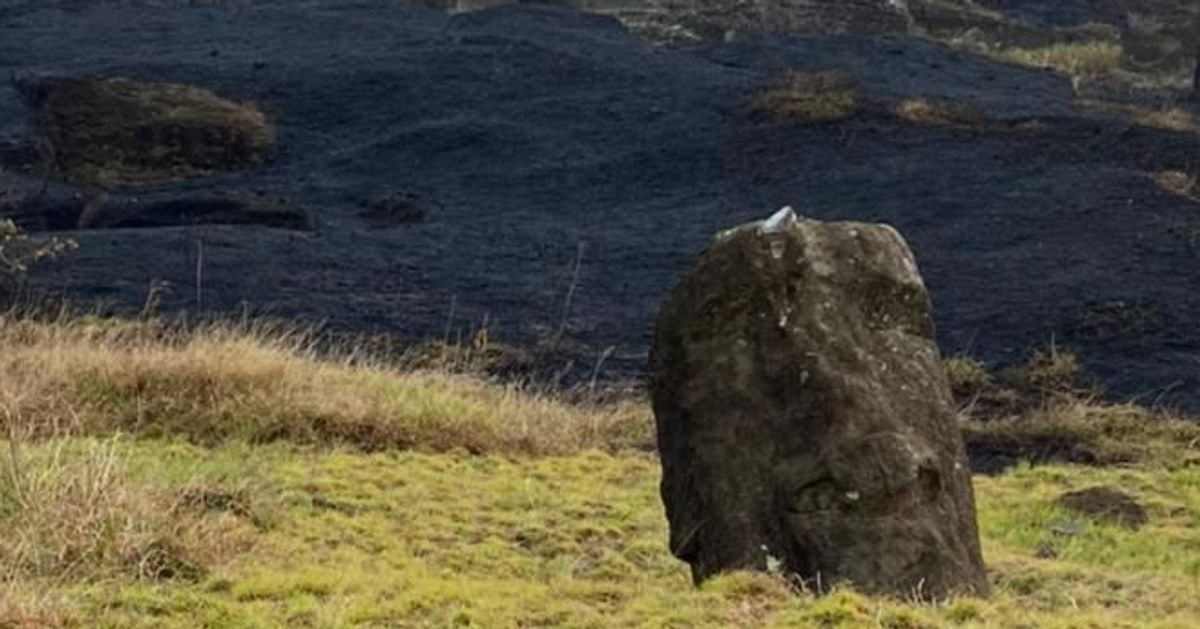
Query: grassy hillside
[(152, 477)]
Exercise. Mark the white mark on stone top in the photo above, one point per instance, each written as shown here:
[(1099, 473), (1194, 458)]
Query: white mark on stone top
[(773, 563), (778, 221), (852, 496)]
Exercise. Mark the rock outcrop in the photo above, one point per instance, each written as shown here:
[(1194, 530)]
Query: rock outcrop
[(113, 131), (804, 421)]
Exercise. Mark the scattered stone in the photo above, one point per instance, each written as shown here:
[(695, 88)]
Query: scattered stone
[(804, 416), (113, 131), (1105, 504)]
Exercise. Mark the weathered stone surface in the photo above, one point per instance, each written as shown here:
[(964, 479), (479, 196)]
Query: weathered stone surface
[(804, 418)]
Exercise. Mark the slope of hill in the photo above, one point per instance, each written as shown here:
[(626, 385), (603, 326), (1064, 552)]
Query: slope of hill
[(555, 153)]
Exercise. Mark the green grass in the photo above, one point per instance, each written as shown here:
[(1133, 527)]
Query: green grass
[(137, 503), (452, 539)]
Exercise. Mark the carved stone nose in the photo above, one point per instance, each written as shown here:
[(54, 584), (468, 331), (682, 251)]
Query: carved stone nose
[(880, 464)]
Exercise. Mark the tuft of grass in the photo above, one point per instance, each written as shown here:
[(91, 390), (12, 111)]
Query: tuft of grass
[(18, 251), (1166, 117), (939, 112), (1079, 59), (966, 375), (26, 607), (1169, 119), (809, 98), (218, 383), (1084, 431), (1053, 369), (71, 510), (1046, 411), (1176, 182)]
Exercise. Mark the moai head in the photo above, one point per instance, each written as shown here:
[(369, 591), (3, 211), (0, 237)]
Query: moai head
[(804, 419)]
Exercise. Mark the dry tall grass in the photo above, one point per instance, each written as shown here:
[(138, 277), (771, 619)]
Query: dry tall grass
[(70, 509), (1079, 59), (71, 513), (939, 112), (259, 384), (1177, 182), (18, 251), (85, 511)]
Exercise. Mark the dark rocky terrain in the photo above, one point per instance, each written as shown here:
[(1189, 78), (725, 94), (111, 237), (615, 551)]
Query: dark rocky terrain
[(527, 135)]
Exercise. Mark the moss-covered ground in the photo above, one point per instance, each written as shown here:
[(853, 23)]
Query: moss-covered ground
[(150, 529), (341, 538)]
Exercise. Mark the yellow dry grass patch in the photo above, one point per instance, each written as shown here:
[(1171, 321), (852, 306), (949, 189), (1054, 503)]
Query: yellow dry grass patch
[(1104, 434), (217, 383), (1169, 119), (1177, 182), (1078, 59), (1165, 118), (966, 374), (939, 112), (809, 98)]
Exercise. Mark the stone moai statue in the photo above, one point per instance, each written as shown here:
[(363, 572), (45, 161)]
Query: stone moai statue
[(804, 420)]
